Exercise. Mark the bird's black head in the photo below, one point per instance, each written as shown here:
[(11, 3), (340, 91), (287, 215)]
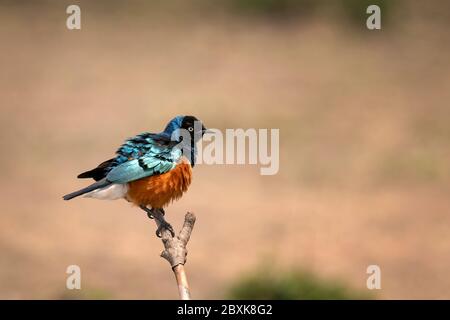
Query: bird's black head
[(187, 130), (185, 126), (194, 126)]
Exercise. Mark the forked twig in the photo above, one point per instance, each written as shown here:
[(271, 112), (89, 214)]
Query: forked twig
[(175, 252)]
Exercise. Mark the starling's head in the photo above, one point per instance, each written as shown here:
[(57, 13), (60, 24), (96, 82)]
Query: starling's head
[(185, 125)]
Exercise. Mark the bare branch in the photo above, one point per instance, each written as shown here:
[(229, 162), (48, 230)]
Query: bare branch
[(175, 252)]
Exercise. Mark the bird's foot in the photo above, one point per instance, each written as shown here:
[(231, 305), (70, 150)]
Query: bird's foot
[(148, 211), (151, 211), (164, 225), (158, 214)]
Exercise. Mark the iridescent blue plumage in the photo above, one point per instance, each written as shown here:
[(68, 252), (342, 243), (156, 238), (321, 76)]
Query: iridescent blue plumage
[(143, 156)]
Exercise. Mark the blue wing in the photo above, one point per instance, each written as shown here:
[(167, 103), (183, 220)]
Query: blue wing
[(142, 156)]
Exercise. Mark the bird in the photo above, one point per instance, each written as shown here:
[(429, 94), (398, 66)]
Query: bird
[(150, 170)]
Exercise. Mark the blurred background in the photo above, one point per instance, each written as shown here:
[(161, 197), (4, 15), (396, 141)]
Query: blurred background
[(364, 132)]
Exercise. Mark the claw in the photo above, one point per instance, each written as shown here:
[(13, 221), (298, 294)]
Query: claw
[(172, 232), (164, 225)]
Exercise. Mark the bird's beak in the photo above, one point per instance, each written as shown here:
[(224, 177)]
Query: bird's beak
[(205, 130)]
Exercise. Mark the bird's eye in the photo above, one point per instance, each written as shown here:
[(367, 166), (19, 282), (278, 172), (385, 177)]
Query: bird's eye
[(190, 129)]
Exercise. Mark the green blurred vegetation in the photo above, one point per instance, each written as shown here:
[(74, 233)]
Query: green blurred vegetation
[(417, 165), (354, 10), (291, 285), (274, 8)]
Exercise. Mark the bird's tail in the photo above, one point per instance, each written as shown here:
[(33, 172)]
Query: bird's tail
[(97, 185)]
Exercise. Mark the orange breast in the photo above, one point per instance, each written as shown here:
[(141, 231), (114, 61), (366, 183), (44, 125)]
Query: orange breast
[(158, 191)]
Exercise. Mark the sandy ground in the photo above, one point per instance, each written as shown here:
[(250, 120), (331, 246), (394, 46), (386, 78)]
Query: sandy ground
[(364, 174)]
